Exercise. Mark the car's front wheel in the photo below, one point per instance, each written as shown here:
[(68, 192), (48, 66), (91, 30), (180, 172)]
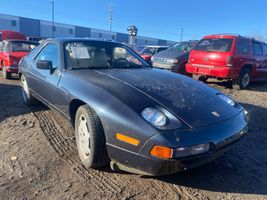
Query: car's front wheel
[(90, 138), (27, 98)]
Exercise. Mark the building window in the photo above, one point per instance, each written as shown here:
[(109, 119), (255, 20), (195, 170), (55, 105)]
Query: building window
[(70, 31), (54, 28), (13, 23), (113, 37), (100, 35)]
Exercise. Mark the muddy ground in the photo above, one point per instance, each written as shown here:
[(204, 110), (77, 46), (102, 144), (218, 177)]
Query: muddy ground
[(39, 159)]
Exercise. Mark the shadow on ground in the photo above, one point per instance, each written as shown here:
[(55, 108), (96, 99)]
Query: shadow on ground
[(11, 103)]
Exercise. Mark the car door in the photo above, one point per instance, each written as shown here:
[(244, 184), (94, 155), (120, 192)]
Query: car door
[(264, 62), (44, 83), (243, 54), (258, 58)]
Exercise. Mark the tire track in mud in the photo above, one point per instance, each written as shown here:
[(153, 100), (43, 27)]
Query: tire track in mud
[(65, 151), (117, 185)]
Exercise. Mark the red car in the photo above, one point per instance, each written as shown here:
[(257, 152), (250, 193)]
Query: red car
[(11, 51), (149, 51), (232, 57), (6, 34)]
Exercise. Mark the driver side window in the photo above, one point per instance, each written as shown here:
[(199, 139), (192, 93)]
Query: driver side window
[(50, 53), (120, 53)]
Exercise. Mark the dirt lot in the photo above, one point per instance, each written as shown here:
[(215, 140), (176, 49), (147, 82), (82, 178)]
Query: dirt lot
[(39, 159)]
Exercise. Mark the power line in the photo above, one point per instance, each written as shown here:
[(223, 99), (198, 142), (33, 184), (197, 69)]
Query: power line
[(110, 16), (182, 32)]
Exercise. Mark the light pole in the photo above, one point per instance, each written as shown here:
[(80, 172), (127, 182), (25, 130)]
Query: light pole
[(53, 18), (182, 32), (110, 16)]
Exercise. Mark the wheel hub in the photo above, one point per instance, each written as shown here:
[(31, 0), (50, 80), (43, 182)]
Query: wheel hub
[(246, 80), (25, 89), (84, 137)]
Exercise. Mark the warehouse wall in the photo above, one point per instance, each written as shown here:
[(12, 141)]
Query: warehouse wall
[(30, 27), (122, 37), (96, 33), (61, 30), (9, 23), (82, 31)]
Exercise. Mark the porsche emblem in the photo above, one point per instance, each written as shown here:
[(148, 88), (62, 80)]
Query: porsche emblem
[(206, 59)]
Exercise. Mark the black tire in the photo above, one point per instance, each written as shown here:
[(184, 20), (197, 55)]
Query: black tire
[(182, 70), (27, 98), (90, 138), (243, 80), (203, 78), (6, 74)]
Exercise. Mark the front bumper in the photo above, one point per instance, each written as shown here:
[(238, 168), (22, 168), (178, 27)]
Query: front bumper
[(213, 71), (172, 67), (219, 136)]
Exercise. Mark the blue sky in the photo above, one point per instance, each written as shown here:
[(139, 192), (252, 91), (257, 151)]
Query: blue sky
[(155, 18)]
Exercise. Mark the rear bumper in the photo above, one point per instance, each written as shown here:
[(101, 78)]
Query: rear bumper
[(213, 71), (219, 136), (12, 69)]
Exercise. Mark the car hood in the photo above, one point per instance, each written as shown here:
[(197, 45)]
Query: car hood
[(191, 101), (170, 54)]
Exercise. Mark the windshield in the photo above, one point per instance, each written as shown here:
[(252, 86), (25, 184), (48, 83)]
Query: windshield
[(22, 46), (181, 47), (215, 44), (152, 50), (97, 55)]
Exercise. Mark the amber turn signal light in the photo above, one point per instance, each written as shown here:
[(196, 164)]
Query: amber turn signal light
[(161, 152), (127, 139)]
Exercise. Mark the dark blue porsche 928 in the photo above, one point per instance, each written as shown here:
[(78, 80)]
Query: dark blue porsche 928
[(126, 113)]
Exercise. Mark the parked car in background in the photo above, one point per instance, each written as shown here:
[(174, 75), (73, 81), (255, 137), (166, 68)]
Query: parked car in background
[(140, 119), (34, 39), (11, 51), (6, 34), (175, 57), (149, 51), (232, 57)]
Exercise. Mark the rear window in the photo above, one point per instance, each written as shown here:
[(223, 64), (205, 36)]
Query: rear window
[(22, 46), (215, 44), (181, 47)]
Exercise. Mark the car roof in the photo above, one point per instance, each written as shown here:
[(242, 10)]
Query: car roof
[(18, 40), (156, 46), (68, 39), (188, 41), (231, 36)]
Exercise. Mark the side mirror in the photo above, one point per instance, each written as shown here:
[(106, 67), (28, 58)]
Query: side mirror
[(46, 65)]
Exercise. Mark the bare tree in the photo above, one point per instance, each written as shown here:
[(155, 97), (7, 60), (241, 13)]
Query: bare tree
[(259, 36)]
